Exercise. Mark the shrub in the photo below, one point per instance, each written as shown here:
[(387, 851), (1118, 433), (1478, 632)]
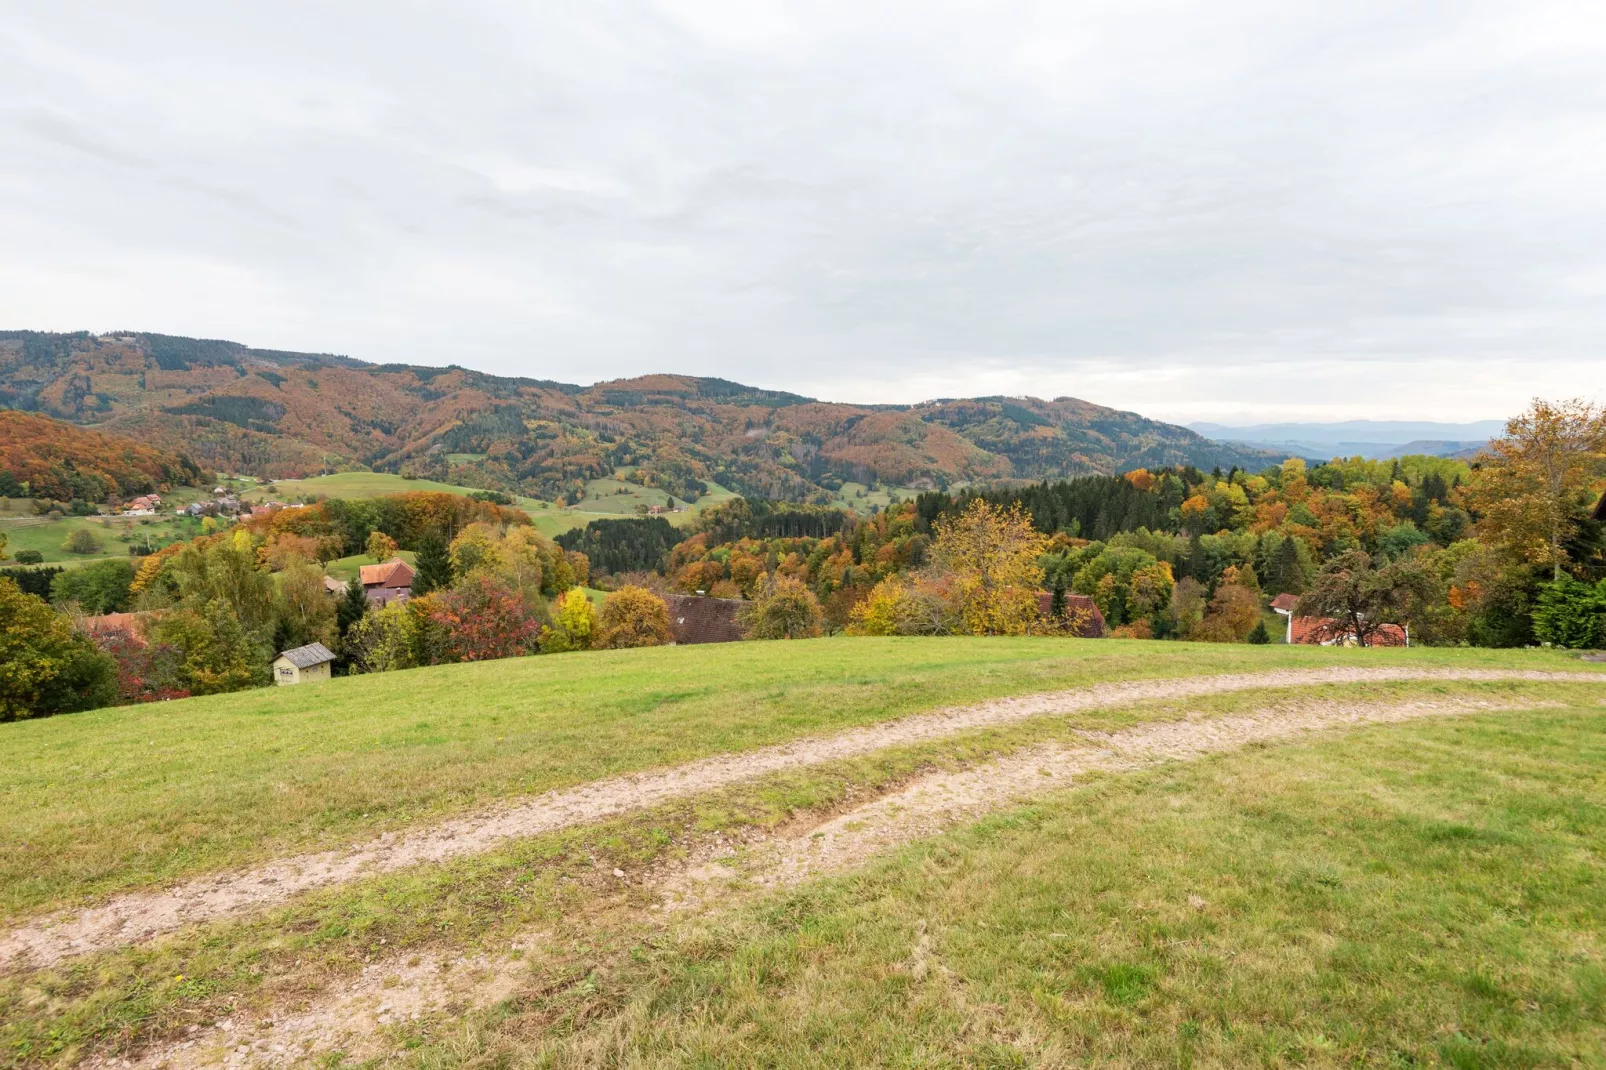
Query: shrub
[(1571, 614), (1260, 636), (29, 557), (82, 541), (632, 617), (46, 666), (899, 605), (784, 609)]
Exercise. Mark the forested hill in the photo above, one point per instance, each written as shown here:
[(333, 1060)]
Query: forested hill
[(59, 461), (282, 414)]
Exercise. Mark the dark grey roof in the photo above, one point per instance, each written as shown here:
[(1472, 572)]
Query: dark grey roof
[(695, 619), (305, 657)]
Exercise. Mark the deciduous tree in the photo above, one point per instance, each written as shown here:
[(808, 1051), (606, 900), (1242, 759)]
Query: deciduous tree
[(379, 546), (483, 619), (100, 587), (990, 557), (574, 624), (82, 541), (1543, 477), (784, 609), (46, 666), (1356, 598), (634, 617)]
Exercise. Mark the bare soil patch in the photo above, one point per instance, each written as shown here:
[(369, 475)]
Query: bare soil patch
[(128, 919)]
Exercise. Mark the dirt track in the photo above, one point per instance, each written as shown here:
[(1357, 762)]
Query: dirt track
[(351, 1015), (130, 918)]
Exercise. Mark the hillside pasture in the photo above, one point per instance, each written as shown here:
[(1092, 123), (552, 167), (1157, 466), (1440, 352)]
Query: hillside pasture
[(1323, 900), (357, 485), (606, 499), (1413, 895), (195, 784), (116, 533)]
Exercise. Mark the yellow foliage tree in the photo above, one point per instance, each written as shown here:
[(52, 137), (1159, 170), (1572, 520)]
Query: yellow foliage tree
[(380, 547), (634, 616), (574, 624), (990, 556), (1541, 478)]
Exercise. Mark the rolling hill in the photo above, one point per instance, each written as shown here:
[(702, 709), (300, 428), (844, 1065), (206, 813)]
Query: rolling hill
[(51, 459), (280, 414)]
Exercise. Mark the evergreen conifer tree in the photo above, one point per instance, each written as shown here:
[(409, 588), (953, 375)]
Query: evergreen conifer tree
[(1285, 573), (353, 606), (433, 571)]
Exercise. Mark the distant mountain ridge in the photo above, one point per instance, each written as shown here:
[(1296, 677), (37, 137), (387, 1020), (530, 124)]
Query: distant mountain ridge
[(1379, 439), (282, 414)]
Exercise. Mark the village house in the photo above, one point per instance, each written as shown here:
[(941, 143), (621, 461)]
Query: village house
[(1323, 631), (303, 664), (107, 624), (1080, 610), (696, 619), (391, 581), (1284, 605)]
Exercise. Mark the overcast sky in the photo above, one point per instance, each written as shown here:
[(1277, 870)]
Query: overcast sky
[(1255, 209)]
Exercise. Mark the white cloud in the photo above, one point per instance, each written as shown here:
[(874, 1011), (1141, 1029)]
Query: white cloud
[(1248, 207)]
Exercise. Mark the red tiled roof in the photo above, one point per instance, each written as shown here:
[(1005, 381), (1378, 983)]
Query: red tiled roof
[(392, 573), (1285, 602), (1316, 631), (109, 623), (695, 619)]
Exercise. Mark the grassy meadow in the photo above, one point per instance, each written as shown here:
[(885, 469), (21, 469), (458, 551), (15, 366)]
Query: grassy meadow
[(116, 534), (1428, 894), (606, 499), (355, 485), (125, 797)]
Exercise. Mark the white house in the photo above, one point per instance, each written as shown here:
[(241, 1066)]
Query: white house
[(303, 664)]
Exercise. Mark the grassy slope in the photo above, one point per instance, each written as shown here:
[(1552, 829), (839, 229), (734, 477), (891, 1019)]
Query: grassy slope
[(606, 499), (47, 534), (133, 796), (354, 485), (1425, 894)]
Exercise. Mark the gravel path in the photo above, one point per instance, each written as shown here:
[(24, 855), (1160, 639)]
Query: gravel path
[(352, 1014), (130, 918)]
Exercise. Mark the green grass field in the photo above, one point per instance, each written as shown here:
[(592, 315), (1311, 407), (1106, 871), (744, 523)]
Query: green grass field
[(860, 498), (356, 485), (201, 783), (606, 499), (1429, 893), (1418, 895), (116, 533)]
